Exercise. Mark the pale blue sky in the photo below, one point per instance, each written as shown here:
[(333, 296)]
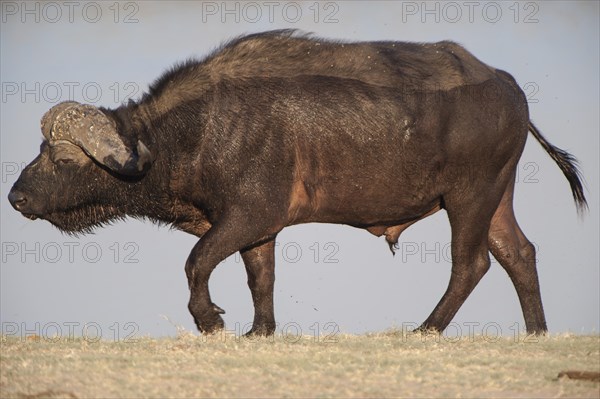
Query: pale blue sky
[(550, 47)]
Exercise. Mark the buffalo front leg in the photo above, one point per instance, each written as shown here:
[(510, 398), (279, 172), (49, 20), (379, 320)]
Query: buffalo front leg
[(260, 266), (223, 239)]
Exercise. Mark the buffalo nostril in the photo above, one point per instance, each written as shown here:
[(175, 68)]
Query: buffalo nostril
[(17, 199)]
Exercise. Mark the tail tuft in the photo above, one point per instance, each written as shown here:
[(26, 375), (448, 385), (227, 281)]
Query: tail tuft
[(568, 165)]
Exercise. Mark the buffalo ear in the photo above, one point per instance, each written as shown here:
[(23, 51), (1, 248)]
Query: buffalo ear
[(95, 133)]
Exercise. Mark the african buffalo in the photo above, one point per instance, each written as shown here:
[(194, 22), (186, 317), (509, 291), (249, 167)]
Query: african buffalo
[(280, 128)]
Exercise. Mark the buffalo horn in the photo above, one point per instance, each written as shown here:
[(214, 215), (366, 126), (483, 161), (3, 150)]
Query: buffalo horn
[(96, 134)]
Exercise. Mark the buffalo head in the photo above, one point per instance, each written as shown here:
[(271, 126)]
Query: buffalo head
[(81, 159)]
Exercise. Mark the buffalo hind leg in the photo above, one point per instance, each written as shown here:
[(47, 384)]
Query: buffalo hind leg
[(470, 262), (470, 211), (516, 254), (260, 266)]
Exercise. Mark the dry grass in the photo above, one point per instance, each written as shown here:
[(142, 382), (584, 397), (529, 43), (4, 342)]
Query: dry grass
[(381, 365)]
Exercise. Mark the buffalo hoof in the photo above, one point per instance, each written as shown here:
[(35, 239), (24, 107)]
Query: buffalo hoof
[(427, 329), (210, 320), (260, 331)]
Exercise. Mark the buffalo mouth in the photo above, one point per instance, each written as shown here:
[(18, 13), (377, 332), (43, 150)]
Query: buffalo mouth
[(30, 216)]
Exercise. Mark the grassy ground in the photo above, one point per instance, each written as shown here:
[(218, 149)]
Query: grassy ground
[(382, 365)]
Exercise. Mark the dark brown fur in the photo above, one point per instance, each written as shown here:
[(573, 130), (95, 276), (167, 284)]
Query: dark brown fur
[(408, 66)]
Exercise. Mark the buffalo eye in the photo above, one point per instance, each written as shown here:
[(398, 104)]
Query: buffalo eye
[(64, 153), (63, 161)]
